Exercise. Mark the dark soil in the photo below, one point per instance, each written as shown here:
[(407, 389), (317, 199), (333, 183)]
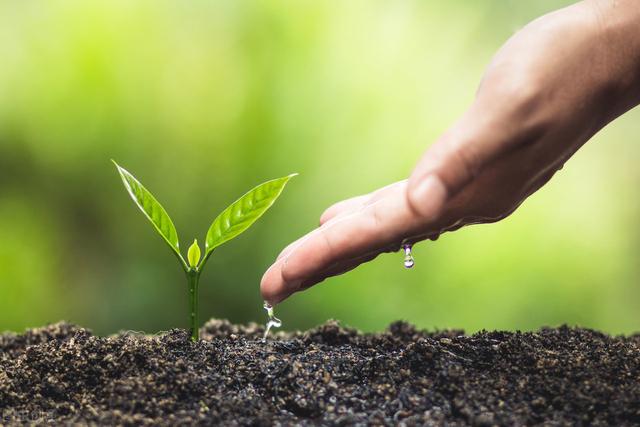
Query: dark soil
[(329, 375)]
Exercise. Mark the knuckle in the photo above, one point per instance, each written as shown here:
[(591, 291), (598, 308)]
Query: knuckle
[(524, 95), (518, 83)]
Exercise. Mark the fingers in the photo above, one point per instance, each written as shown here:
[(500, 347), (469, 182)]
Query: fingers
[(358, 229), (350, 205), (333, 212), (343, 206), (339, 269), (358, 236)]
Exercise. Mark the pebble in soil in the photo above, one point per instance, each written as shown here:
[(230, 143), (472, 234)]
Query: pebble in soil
[(328, 375)]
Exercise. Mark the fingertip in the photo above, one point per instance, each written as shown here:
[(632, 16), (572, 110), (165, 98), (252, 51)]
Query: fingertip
[(342, 207), (270, 285), (285, 252), (274, 288), (305, 260), (329, 213)]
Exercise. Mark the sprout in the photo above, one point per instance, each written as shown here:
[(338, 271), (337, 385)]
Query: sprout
[(232, 222), (193, 254)]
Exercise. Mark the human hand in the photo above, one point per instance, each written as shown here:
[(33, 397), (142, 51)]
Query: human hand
[(548, 90)]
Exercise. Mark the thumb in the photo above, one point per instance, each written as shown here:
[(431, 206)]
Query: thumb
[(452, 162)]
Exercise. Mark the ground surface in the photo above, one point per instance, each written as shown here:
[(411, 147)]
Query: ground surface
[(328, 375)]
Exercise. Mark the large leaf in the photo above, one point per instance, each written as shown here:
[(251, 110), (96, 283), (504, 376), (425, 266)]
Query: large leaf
[(243, 213), (152, 209)]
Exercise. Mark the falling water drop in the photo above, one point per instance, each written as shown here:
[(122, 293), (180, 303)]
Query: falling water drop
[(408, 258), (272, 322)]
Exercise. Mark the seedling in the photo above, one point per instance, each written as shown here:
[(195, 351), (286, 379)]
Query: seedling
[(233, 221)]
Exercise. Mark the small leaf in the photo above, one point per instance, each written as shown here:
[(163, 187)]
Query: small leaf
[(193, 255), (241, 214), (153, 210)]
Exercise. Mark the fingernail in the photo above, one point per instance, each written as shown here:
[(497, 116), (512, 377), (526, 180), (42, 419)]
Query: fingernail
[(427, 197)]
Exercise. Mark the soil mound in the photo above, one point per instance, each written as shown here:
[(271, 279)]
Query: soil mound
[(329, 375)]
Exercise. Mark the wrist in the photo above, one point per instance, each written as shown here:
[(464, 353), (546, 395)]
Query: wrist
[(617, 38)]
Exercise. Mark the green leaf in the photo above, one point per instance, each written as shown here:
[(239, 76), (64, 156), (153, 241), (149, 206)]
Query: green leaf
[(241, 214), (193, 254), (153, 210)]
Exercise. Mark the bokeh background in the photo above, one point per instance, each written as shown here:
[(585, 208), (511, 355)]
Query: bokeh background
[(203, 100)]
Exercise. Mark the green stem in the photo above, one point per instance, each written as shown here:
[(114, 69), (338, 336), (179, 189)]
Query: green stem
[(193, 276)]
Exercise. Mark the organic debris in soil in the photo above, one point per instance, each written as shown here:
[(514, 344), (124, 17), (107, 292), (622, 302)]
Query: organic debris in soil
[(329, 375)]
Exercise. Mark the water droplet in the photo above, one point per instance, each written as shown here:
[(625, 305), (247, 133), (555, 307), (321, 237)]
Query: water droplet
[(408, 258), (272, 322)]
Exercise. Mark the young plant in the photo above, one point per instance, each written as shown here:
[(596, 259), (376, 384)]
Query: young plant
[(233, 221)]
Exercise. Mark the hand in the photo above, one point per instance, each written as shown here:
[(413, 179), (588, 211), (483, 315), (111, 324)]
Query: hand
[(548, 90)]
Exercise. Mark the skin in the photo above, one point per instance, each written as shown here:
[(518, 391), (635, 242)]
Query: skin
[(547, 91)]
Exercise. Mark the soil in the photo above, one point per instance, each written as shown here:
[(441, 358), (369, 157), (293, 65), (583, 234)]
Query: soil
[(329, 375)]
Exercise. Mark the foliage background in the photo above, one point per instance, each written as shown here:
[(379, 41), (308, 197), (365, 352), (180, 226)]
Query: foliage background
[(203, 100)]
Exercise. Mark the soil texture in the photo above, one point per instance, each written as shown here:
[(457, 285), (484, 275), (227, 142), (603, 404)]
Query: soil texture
[(330, 375)]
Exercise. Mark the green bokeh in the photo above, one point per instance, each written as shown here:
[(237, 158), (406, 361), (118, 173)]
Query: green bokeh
[(203, 100)]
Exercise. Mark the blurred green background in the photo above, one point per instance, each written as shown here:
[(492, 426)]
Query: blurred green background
[(203, 100)]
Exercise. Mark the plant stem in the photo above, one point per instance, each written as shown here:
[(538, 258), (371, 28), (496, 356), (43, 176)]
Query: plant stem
[(193, 276)]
